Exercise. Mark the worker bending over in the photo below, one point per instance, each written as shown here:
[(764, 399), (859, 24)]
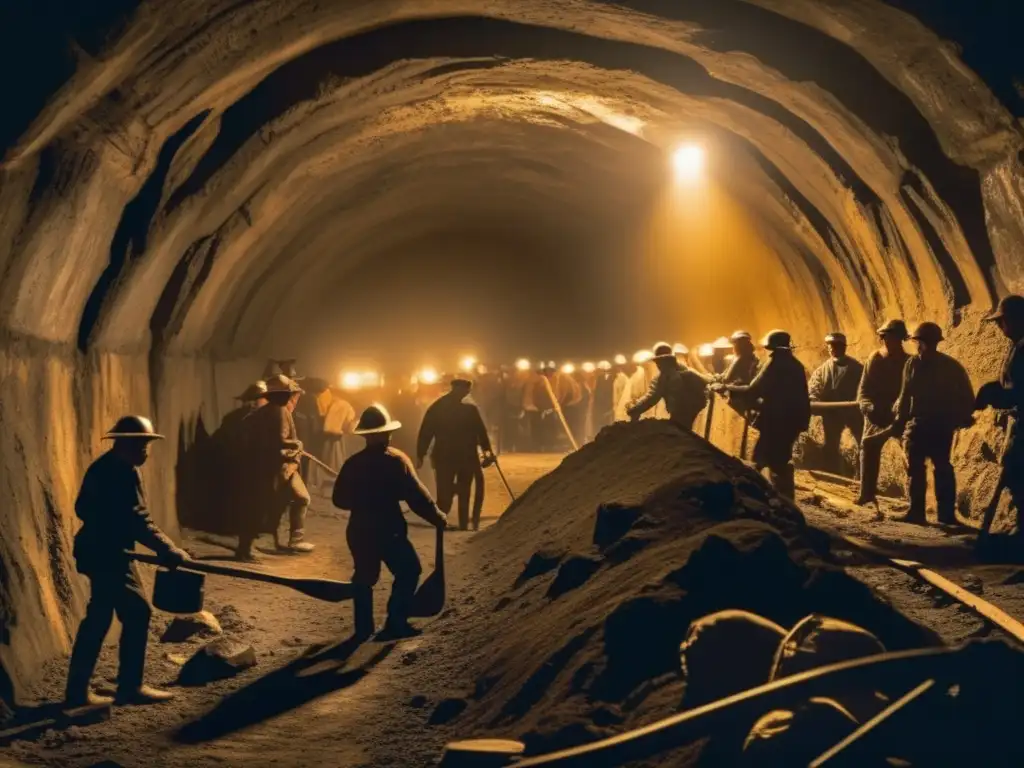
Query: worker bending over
[(682, 390), (371, 485)]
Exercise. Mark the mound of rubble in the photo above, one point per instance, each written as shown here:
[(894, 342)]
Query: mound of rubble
[(586, 587)]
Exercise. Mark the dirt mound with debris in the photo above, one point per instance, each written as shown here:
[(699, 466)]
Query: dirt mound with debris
[(588, 584)]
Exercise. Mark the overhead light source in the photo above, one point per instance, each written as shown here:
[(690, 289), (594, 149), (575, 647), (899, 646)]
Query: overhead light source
[(351, 380), (642, 356), (588, 367), (569, 368), (620, 360), (604, 365), (467, 364), (429, 375), (688, 162), (522, 364)]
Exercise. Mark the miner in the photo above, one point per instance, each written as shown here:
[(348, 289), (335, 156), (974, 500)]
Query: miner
[(682, 390), (276, 452), (936, 399), (305, 414), (619, 387), (837, 381), (253, 398), (1008, 394), (879, 388), (604, 396), (115, 517), (339, 420), (458, 434), (784, 410), (371, 485), (741, 370)]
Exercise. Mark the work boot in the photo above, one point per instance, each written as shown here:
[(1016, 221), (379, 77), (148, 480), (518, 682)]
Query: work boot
[(86, 699), (300, 546), (362, 607), (144, 694)]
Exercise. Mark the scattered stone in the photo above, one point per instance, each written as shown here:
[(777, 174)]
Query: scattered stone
[(231, 620), (182, 628), (973, 583), (220, 659), (178, 659), (418, 702), (540, 563), (447, 711), (573, 573), (410, 658)]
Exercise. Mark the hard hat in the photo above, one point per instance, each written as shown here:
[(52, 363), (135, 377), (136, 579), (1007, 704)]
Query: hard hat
[(283, 367), (680, 349), (1010, 307), (819, 640), (133, 426), (894, 327), (281, 383), (620, 360), (777, 340), (740, 336), (253, 392), (928, 332), (662, 350), (461, 380), (376, 420), (588, 367), (604, 365), (642, 356), (835, 338)]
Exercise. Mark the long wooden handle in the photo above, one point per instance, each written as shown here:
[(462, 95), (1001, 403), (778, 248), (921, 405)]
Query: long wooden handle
[(558, 410), (709, 414), (219, 570), (321, 464)]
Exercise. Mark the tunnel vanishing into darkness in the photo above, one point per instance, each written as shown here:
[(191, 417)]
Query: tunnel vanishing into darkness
[(183, 183)]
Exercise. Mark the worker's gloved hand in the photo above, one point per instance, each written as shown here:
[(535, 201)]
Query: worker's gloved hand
[(174, 557), (488, 459), (718, 387), (442, 521), (867, 408)]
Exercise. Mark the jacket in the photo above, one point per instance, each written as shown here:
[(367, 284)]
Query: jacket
[(682, 390), (880, 387), (781, 386), (274, 440), (115, 516), (936, 392), (456, 429), (836, 381), (372, 484)]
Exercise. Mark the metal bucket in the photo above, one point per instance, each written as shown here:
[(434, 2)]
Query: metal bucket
[(178, 591)]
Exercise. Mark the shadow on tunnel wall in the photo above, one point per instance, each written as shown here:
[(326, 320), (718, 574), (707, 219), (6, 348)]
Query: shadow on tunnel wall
[(196, 474)]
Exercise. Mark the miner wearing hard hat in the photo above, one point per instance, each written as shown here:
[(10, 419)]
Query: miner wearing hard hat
[(682, 390), (936, 399), (837, 381), (276, 450), (371, 485), (879, 388), (115, 517), (742, 369), (456, 430), (1007, 394), (784, 410)]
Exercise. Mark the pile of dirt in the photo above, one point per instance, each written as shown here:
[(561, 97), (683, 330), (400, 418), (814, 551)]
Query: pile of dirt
[(586, 587)]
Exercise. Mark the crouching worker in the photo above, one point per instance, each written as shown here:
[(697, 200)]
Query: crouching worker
[(371, 485), (112, 507)]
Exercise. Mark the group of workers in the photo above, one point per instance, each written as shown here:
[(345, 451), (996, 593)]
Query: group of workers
[(923, 398)]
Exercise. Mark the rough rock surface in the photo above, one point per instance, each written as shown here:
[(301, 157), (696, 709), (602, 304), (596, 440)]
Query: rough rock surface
[(182, 628), (604, 657), (173, 179), (218, 659)]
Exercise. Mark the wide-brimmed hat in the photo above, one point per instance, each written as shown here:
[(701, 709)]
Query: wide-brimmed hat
[(777, 339), (1010, 307), (282, 367), (895, 327), (133, 427), (460, 379), (376, 420), (680, 349), (254, 391), (835, 338), (281, 383), (740, 336)]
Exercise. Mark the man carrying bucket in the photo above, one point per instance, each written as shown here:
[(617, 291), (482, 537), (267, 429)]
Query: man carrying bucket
[(115, 516), (371, 485)]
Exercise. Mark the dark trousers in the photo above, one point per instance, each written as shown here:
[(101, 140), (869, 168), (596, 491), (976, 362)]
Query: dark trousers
[(455, 478), (935, 442), (120, 593), (535, 426), (478, 494), (397, 553), (833, 425), (774, 452), (871, 445), (509, 437)]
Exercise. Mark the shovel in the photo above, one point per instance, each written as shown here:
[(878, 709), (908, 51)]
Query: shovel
[(319, 589), (430, 597)]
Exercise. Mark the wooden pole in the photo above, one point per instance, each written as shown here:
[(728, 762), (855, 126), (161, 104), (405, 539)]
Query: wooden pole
[(558, 410)]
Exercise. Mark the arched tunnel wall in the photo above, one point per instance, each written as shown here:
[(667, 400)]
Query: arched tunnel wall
[(180, 182)]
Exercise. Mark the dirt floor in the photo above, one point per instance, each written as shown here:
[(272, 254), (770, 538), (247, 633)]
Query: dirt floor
[(396, 704)]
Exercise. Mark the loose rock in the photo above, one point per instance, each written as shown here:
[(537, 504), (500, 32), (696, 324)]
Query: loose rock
[(182, 628), (217, 660)]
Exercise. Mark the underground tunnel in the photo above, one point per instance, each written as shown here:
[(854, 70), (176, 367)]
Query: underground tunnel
[(189, 188)]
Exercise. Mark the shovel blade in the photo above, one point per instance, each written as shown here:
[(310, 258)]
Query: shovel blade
[(324, 589)]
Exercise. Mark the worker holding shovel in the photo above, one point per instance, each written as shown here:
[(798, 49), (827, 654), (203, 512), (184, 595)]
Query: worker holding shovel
[(112, 507), (371, 485)]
